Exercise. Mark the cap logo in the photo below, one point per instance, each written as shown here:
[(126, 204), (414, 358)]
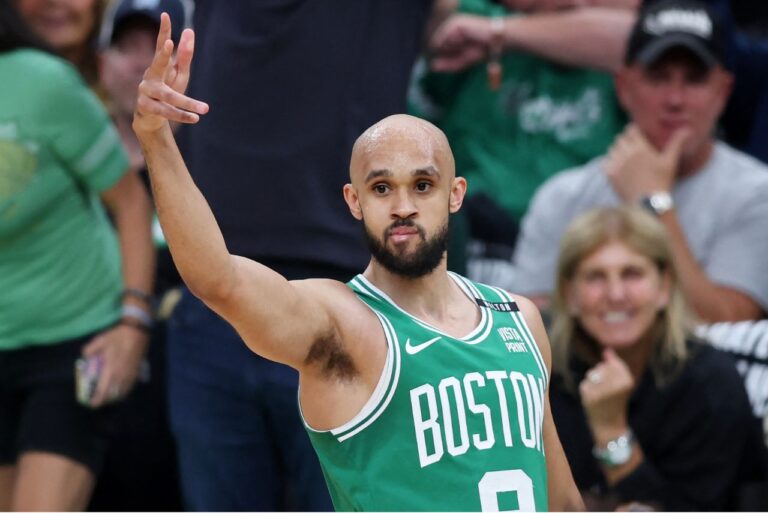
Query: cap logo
[(145, 4), (677, 20)]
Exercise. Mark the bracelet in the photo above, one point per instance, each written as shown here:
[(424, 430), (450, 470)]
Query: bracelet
[(138, 314), (617, 451), (497, 29), (134, 323), (138, 294)]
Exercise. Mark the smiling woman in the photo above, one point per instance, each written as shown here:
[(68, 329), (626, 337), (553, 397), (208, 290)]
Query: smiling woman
[(73, 309), (71, 27), (645, 413)]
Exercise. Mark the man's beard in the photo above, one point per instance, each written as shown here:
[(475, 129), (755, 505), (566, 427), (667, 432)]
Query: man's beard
[(425, 258)]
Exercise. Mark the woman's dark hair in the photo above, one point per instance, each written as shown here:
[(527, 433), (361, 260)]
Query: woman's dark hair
[(14, 33)]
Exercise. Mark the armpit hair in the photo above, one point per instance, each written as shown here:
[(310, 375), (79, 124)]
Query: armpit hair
[(327, 353)]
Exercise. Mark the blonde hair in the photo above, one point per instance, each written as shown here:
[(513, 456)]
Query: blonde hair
[(643, 233)]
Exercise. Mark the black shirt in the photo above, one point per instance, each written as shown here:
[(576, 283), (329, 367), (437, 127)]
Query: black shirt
[(698, 435), (291, 85)]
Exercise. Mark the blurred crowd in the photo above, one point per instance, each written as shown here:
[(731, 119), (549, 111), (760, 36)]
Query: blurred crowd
[(616, 155)]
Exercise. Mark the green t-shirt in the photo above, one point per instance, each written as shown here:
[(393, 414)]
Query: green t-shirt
[(60, 267), (454, 424), (544, 118)]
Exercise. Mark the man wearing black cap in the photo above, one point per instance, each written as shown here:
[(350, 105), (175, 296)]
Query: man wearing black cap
[(712, 199), (127, 44)]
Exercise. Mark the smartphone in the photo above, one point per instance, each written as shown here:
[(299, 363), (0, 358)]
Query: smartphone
[(87, 373)]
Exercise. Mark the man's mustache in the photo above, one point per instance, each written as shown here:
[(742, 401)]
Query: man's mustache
[(404, 222)]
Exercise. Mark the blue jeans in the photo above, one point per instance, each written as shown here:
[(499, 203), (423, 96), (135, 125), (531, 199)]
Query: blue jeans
[(241, 444)]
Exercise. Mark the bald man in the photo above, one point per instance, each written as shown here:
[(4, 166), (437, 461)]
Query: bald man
[(420, 390)]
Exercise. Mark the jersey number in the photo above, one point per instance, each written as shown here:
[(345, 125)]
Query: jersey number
[(500, 481)]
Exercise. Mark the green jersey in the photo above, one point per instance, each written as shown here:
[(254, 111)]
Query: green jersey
[(542, 119), (454, 424)]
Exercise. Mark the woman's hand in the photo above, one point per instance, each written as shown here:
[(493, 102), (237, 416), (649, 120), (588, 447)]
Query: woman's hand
[(605, 393), (122, 349)]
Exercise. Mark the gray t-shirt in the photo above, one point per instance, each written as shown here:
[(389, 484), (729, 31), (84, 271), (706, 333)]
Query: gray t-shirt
[(723, 210)]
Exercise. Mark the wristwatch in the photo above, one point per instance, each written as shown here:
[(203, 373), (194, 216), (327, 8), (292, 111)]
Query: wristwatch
[(658, 202), (617, 451)]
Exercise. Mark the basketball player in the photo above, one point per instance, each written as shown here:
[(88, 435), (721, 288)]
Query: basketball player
[(420, 390)]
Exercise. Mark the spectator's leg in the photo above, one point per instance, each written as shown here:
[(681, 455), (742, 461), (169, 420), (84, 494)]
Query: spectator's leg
[(226, 457), (49, 482), (305, 486), (58, 441), (7, 478)]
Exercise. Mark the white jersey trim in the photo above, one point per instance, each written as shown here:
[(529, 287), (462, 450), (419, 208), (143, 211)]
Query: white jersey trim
[(473, 292), (375, 405), (98, 151), (377, 395), (484, 326)]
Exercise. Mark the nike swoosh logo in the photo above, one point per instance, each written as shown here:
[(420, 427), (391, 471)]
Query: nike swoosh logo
[(411, 349)]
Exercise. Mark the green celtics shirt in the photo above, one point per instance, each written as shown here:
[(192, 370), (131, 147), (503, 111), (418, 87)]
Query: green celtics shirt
[(455, 424), (543, 118), (60, 268)]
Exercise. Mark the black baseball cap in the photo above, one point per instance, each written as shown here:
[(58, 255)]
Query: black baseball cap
[(676, 23), (123, 11)]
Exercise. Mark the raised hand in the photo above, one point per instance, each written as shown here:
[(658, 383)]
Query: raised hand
[(635, 168), (161, 93), (461, 41), (605, 393)]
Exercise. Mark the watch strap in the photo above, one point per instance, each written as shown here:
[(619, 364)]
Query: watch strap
[(617, 451)]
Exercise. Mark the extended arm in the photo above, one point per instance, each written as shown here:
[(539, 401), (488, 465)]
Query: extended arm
[(711, 301), (123, 346), (591, 37), (272, 316)]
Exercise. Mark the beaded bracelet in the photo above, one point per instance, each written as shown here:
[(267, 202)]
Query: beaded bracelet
[(134, 323), (138, 294), (138, 315)]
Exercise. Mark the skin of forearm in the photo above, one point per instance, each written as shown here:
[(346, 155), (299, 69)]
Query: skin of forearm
[(706, 299), (602, 435), (135, 237), (440, 11), (591, 37), (194, 238), (131, 210)]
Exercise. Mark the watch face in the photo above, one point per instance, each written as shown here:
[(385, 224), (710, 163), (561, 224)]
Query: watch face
[(617, 451), (661, 202), (658, 202), (619, 454)]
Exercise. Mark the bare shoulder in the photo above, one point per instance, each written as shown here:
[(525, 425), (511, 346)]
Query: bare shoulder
[(337, 298), (535, 323), (527, 307), (349, 314), (320, 286), (342, 369)]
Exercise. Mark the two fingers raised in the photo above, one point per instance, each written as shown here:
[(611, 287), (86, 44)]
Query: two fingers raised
[(161, 90)]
